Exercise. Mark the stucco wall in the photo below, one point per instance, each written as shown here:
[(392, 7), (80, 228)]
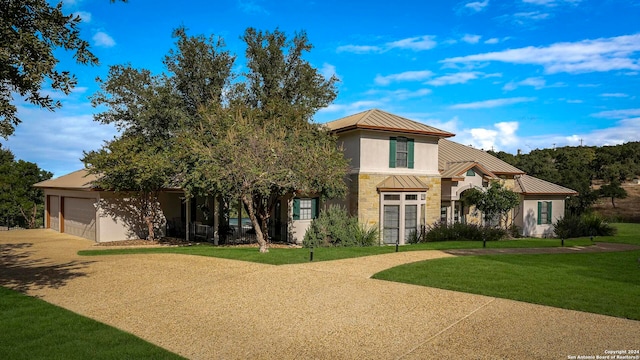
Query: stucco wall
[(374, 154), (527, 217)]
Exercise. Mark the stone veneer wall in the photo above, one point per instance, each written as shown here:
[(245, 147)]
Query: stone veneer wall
[(368, 199)]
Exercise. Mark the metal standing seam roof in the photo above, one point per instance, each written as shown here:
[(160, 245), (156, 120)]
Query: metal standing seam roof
[(450, 152), (77, 180), (402, 183), (529, 185), (375, 119), (456, 169)]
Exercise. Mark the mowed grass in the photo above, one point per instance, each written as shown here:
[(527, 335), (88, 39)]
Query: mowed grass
[(282, 256), (34, 329), (603, 283)]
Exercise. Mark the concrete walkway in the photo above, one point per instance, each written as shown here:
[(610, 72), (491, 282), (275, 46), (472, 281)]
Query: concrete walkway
[(208, 308)]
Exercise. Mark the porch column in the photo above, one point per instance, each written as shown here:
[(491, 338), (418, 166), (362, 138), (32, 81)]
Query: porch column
[(452, 211), (187, 205)]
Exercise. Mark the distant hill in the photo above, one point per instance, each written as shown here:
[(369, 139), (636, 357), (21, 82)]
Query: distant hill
[(584, 168), (626, 210)]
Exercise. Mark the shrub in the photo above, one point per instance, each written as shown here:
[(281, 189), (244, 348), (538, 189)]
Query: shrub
[(459, 231), (366, 235), (572, 226), (334, 227)]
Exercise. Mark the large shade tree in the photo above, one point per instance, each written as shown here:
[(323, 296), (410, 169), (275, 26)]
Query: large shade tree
[(150, 110), (261, 143), (30, 33)]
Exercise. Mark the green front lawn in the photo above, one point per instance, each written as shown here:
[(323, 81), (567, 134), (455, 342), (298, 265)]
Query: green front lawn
[(603, 283), (34, 329), (301, 255)]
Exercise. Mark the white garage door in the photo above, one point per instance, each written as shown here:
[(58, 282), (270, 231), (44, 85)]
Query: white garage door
[(54, 213), (80, 217)]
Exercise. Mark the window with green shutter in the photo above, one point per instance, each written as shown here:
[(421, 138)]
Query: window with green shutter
[(401, 152), (544, 212), (305, 208)]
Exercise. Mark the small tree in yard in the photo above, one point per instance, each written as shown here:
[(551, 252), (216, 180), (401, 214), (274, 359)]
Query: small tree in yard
[(613, 191), (496, 201)]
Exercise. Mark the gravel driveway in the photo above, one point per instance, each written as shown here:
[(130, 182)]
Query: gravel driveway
[(208, 308)]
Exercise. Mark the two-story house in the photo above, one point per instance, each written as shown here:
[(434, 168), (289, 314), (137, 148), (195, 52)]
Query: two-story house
[(403, 175)]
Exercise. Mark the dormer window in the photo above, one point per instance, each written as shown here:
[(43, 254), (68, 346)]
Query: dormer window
[(470, 172), (400, 152)]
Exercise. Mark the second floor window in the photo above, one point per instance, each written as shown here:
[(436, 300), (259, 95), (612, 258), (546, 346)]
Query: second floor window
[(401, 152)]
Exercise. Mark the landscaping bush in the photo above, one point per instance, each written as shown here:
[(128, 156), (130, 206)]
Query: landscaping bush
[(572, 226), (459, 231), (335, 227)]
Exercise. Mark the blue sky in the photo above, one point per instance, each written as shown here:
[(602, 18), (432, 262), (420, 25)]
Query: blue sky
[(507, 75)]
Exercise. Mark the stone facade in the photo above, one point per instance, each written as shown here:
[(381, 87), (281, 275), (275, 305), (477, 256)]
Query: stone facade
[(364, 198)]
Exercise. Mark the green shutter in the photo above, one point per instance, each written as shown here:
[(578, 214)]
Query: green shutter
[(539, 212), (296, 209), (314, 208), (410, 153), (549, 218), (392, 152)]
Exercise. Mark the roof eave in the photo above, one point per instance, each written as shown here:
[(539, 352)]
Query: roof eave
[(386, 129)]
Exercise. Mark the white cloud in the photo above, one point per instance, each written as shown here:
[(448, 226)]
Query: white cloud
[(459, 78), (551, 3), (417, 43), (614, 95), (471, 39), (477, 5), (251, 7), (492, 41), (503, 137), (359, 49), (56, 141), (351, 108), (103, 39), (328, 71), (584, 56), (532, 15), (487, 104), (404, 76), (536, 82), (85, 16), (618, 114)]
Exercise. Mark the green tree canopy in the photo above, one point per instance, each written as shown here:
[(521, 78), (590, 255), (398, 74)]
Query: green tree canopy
[(496, 201), (20, 203), (30, 32), (263, 145)]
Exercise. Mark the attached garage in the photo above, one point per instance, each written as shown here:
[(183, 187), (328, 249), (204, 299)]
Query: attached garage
[(53, 210), (80, 217)]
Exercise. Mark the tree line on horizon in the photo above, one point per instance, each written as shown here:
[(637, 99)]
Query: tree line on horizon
[(579, 167)]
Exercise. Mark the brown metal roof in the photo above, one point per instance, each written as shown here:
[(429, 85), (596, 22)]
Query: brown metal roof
[(529, 185), (450, 152), (78, 180), (402, 183), (375, 119), (456, 169)]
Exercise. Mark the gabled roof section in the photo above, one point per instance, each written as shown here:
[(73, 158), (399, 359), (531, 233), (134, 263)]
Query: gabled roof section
[(402, 183), (529, 185), (450, 152), (456, 170), (375, 119), (77, 180)]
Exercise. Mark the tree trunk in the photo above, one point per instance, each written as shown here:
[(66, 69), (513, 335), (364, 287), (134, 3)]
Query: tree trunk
[(248, 203), (612, 202), (149, 221)]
